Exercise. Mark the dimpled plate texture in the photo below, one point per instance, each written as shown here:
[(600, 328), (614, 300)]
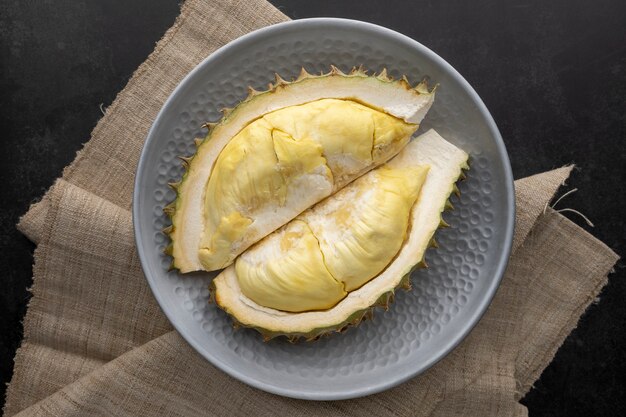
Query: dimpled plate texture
[(422, 325)]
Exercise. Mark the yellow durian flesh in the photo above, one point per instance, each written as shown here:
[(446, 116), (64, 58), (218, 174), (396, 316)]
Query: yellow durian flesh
[(362, 230), (352, 135), (289, 273), (325, 144), (335, 247)]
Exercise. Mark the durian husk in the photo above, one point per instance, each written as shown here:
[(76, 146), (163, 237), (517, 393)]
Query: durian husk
[(280, 85), (354, 320), (233, 305)]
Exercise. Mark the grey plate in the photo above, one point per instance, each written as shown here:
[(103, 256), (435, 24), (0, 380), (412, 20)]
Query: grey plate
[(423, 325)]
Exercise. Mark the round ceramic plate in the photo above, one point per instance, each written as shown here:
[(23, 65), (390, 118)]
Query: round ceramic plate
[(422, 325)]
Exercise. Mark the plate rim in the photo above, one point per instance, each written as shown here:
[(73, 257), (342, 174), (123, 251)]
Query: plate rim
[(482, 305)]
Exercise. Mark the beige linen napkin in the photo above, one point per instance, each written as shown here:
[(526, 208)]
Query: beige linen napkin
[(96, 342)]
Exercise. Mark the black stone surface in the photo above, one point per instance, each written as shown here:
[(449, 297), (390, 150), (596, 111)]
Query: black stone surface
[(553, 74)]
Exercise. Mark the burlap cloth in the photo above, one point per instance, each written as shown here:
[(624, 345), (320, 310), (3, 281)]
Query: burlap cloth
[(96, 343)]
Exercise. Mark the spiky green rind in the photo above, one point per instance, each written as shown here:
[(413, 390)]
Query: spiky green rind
[(279, 82)]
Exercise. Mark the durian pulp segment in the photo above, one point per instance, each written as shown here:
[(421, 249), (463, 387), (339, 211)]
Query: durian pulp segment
[(289, 273), (335, 247), (362, 228), (296, 154)]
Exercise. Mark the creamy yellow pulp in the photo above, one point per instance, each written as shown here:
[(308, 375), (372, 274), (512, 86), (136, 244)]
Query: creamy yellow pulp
[(268, 164), (335, 247)]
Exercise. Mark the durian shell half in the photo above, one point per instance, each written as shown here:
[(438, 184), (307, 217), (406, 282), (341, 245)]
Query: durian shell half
[(447, 163), (395, 97)]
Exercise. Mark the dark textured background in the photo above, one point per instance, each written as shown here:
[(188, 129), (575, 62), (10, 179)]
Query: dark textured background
[(553, 74)]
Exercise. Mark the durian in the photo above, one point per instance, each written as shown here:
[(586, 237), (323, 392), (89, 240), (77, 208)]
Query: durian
[(334, 263), (281, 151), (315, 200)]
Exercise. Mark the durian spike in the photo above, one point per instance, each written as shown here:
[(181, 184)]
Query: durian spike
[(169, 249), (226, 111), (422, 87), (303, 74), (448, 205), (361, 71), (405, 283), (210, 125), (456, 190), (174, 185), (185, 161), (280, 81), (388, 300), (252, 92), (433, 243), (385, 300), (383, 75), (405, 82), (335, 71), (443, 223), (198, 141), (170, 209), (169, 229)]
